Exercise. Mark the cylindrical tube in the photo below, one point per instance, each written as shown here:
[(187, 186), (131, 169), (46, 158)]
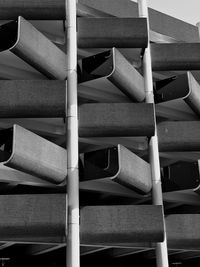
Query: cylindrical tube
[(161, 248), (72, 208), (198, 26)]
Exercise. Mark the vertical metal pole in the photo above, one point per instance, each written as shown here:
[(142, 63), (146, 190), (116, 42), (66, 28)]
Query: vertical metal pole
[(198, 26), (72, 205), (161, 248)]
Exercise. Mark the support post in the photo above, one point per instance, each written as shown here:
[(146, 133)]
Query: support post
[(198, 26), (72, 208), (161, 248)]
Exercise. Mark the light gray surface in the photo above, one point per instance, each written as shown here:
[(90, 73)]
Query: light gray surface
[(34, 155)]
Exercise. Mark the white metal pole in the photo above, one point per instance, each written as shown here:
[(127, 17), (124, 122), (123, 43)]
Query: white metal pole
[(161, 248), (72, 201), (198, 26)]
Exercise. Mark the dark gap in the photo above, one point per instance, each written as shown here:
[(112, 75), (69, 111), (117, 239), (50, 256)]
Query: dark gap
[(96, 66), (6, 140), (101, 163), (8, 34)]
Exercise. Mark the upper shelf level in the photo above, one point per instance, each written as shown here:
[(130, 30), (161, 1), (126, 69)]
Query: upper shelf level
[(160, 24)]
